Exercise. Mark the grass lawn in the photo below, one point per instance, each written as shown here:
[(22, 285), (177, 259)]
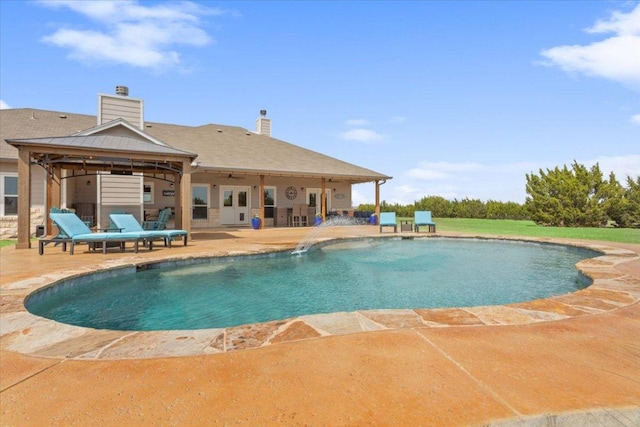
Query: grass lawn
[(507, 227), (4, 243)]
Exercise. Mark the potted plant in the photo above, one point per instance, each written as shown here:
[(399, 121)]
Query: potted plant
[(255, 222), (318, 219)]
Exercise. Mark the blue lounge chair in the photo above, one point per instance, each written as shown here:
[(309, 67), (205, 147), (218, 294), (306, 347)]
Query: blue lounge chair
[(60, 238), (161, 223), (77, 232), (388, 219), (129, 224), (423, 218)]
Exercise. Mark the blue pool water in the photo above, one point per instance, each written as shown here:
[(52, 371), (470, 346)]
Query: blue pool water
[(347, 276)]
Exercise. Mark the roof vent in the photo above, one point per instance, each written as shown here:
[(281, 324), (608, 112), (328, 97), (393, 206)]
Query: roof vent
[(122, 90)]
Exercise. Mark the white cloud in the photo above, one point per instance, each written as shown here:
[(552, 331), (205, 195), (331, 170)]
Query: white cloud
[(132, 34), (4, 105), (429, 171), (397, 119), (635, 119), (615, 58), (621, 166), (504, 182), (126, 10), (359, 197), (362, 135), (427, 174), (619, 23), (356, 122)]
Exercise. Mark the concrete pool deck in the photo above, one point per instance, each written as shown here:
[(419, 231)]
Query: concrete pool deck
[(568, 359)]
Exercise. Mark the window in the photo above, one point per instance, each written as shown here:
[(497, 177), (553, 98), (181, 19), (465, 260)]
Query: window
[(9, 190), (242, 199), (200, 201), (269, 202), (227, 198), (313, 202), (147, 193)]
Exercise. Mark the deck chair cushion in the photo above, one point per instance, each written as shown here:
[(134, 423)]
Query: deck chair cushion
[(388, 219), (78, 232), (128, 223), (423, 218)]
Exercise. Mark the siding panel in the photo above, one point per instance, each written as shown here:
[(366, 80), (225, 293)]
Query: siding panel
[(116, 107), (121, 193), (120, 190)]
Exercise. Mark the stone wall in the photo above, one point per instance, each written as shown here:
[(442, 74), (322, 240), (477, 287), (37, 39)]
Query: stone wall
[(9, 224), (212, 221)]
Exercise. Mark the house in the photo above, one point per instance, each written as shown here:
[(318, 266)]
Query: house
[(211, 175)]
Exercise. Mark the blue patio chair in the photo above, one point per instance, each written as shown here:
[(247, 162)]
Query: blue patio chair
[(77, 232), (112, 226), (61, 234), (60, 238), (388, 219), (129, 224), (161, 223), (423, 218)]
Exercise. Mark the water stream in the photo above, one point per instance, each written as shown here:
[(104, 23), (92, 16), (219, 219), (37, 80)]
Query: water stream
[(316, 233)]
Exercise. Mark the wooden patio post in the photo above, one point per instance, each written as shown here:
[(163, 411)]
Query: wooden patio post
[(261, 201), (177, 201), (185, 197), (378, 198), (54, 184), (24, 198), (323, 199)]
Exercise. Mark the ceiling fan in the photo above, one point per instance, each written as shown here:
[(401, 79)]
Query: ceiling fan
[(236, 177)]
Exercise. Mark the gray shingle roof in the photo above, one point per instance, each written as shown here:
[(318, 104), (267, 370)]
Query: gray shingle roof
[(221, 148), (99, 142)]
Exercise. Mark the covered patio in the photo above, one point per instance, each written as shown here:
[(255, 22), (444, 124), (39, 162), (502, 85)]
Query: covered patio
[(89, 155)]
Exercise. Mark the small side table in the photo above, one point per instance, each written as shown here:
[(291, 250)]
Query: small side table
[(406, 225)]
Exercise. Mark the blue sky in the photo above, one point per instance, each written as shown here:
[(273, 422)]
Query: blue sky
[(454, 99)]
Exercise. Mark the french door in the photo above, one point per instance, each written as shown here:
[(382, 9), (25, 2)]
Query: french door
[(314, 196), (234, 205)]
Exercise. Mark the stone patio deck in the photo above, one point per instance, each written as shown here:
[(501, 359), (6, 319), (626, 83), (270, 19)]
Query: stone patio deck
[(570, 357)]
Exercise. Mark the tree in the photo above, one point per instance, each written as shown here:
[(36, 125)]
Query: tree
[(505, 210), (632, 195), (623, 205), (469, 208), (564, 197), (439, 206)]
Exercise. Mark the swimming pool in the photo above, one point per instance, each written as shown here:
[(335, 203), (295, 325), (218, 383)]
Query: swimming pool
[(346, 276)]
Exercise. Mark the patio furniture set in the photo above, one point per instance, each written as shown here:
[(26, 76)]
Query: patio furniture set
[(123, 228), (420, 219)]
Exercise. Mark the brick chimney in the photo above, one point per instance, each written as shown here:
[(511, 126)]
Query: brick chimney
[(263, 125)]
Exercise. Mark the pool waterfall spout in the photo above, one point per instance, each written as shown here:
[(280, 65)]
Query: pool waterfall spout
[(309, 239), (315, 234)]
